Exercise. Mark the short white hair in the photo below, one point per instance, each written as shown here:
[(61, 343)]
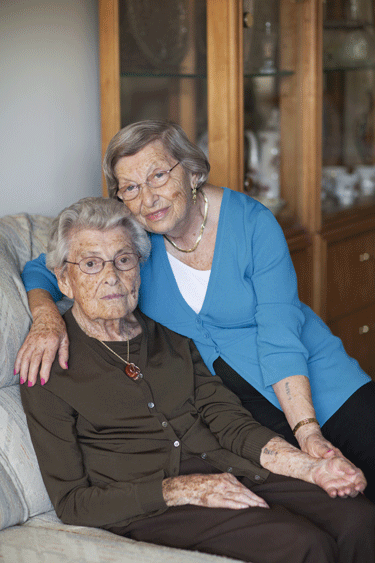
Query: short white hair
[(98, 213)]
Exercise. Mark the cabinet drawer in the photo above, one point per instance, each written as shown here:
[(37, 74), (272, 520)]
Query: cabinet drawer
[(350, 274), (357, 332)]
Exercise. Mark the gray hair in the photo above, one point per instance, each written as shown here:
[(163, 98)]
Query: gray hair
[(131, 139), (98, 213)]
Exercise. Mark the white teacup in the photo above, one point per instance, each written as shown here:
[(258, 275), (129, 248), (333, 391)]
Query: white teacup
[(346, 188), (366, 178), (331, 176)]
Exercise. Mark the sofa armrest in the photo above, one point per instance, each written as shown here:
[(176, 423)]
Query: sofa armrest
[(22, 237)]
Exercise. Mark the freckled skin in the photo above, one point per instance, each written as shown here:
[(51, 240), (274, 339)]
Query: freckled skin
[(166, 210), (218, 490), (103, 302)]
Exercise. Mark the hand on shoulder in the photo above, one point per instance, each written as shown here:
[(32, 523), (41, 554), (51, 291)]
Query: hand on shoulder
[(47, 337)]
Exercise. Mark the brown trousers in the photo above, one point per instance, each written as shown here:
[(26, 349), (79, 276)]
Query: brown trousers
[(302, 525)]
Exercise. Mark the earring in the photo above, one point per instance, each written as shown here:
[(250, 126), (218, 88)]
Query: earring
[(194, 191)]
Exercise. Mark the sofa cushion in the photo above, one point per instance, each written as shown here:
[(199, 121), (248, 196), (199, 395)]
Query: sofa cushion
[(22, 237), (44, 539), (22, 491)]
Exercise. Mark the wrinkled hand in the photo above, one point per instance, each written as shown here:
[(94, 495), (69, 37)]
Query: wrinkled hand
[(47, 336), (338, 477), (221, 490), (317, 446)]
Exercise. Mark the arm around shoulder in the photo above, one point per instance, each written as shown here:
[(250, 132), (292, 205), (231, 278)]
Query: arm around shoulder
[(36, 275), (47, 336)]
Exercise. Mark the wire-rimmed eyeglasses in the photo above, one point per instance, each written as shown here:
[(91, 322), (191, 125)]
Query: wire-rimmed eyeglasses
[(94, 264), (157, 179)]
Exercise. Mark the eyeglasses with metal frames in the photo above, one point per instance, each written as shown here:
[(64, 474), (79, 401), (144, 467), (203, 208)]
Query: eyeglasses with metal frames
[(155, 180), (94, 264)]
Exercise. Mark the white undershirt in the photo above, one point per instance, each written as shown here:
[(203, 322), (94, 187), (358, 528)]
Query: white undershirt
[(192, 283)]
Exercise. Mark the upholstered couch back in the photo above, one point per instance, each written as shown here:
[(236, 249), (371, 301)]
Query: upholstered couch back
[(22, 492)]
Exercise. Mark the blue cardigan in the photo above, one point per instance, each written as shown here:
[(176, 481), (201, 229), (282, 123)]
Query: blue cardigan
[(251, 315)]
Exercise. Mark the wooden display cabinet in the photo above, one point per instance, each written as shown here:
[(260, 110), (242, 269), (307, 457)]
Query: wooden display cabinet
[(219, 84)]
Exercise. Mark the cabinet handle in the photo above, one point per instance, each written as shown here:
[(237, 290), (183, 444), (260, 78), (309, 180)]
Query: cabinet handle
[(364, 329), (364, 257)]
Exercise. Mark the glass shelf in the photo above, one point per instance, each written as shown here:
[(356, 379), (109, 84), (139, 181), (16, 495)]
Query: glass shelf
[(346, 24), (162, 74), (350, 68), (348, 45), (259, 74), (171, 74)]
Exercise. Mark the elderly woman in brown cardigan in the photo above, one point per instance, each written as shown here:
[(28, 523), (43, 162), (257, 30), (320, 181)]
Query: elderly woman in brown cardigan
[(137, 436)]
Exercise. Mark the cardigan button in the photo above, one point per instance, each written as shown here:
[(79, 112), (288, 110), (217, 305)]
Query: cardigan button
[(203, 456), (230, 469), (151, 405), (176, 444), (164, 424), (257, 477)]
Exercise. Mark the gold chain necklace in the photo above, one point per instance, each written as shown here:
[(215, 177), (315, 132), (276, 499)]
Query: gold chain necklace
[(200, 232), (131, 369)]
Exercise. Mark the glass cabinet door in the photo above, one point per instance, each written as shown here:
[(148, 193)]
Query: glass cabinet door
[(348, 148), (270, 55), (162, 51)]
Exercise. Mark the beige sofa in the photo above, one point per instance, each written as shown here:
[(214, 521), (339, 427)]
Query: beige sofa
[(30, 530)]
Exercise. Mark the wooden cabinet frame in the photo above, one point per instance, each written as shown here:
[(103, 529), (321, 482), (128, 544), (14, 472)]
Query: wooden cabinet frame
[(225, 92), (109, 59)]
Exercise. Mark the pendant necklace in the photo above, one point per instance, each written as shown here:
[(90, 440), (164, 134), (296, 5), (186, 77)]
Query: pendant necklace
[(131, 369), (200, 232)]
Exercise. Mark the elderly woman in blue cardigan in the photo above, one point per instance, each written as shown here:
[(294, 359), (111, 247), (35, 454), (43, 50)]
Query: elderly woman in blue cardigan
[(220, 273)]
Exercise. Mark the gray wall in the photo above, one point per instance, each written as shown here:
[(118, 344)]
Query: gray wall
[(49, 104)]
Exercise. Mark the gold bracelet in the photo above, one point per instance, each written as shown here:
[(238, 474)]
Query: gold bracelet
[(302, 423)]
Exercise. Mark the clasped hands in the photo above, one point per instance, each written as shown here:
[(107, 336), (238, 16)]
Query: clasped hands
[(334, 474)]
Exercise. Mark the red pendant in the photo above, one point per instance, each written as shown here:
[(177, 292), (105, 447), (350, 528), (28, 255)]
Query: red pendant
[(133, 371)]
